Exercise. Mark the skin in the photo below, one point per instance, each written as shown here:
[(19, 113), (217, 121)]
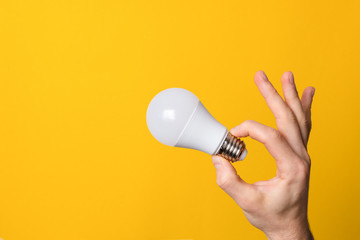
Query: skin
[(278, 207)]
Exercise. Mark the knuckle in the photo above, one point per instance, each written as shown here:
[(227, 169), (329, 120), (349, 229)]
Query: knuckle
[(306, 122), (274, 135), (303, 170), (309, 125), (307, 158), (303, 121), (272, 92), (304, 155), (248, 122), (285, 115), (290, 116), (224, 182)]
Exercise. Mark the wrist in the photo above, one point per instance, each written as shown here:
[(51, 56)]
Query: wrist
[(287, 236), (301, 232)]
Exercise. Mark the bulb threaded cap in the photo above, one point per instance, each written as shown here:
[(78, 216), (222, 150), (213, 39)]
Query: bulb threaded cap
[(232, 149)]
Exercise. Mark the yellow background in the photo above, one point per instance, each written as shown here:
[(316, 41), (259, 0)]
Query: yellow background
[(76, 158)]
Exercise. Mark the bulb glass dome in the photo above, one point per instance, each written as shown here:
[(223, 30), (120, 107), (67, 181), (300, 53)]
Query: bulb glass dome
[(176, 117)]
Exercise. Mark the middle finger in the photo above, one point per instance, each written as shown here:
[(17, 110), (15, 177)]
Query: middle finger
[(285, 119)]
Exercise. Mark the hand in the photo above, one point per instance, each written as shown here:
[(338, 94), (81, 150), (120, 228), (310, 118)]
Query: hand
[(278, 206)]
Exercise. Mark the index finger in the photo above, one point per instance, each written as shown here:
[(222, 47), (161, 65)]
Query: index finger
[(286, 159)]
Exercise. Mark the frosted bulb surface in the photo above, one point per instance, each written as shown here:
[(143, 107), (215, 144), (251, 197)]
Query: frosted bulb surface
[(176, 117)]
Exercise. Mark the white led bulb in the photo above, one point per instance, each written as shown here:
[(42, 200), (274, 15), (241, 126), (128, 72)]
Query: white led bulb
[(176, 117)]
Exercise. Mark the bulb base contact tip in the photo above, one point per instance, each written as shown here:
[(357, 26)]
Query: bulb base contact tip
[(232, 149)]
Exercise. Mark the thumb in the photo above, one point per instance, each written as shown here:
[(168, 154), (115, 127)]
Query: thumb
[(228, 180)]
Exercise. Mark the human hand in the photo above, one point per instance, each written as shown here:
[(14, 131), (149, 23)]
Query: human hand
[(278, 206)]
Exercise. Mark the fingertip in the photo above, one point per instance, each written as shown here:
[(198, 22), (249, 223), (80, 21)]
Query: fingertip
[(307, 98), (291, 78), (234, 130), (222, 166), (287, 76), (220, 160), (309, 91), (260, 75), (217, 161), (238, 130), (215, 158), (313, 92), (288, 73), (289, 90), (241, 130), (261, 72)]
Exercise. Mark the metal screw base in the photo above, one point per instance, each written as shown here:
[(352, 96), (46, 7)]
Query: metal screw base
[(232, 149)]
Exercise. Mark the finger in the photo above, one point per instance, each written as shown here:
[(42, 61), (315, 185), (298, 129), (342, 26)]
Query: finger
[(272, 97), (293, 101), (285, 119), (306, 101), (286, 159), (230, 181)]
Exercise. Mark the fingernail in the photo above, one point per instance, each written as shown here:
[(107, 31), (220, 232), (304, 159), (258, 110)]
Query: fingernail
[(216, 161), (313, 92), (291, 77), (264, 76)]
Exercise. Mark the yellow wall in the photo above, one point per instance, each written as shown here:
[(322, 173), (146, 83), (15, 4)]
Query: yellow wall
[(76, 158)]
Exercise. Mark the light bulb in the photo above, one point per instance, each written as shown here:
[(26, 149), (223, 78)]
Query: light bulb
[(176, 117)]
